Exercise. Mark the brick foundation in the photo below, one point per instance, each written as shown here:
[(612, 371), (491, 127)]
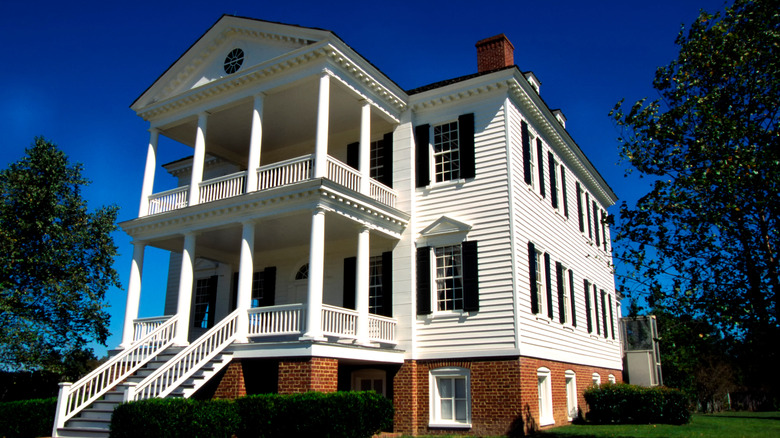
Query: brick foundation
[(232, 385), (310, 374), (504, 398)]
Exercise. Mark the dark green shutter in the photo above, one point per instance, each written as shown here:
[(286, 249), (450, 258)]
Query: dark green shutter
[(468, 168), (387, 284), (548, 278), (424, 281), (350, 286), (526, 152), (596, 223), (561, 291), (587, 306), (269, 286), (353, 155), (387, 160), (470, 276), (563, 192), (596, 310), (422, 140), (579, 207), (573, 301), (611, 317), (540, 159), (604, 312), (553, 192), (532, 278)]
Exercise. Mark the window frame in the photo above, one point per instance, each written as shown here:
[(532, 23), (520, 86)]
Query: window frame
[(376, 298), (541, 284), (435, 376), (454, 175), (457, 277), (532, 162), (566, 305), (545, 396), (572, 404), (595, 379)]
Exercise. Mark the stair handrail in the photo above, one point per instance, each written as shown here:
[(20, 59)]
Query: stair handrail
[(74, 398), (181, 367)]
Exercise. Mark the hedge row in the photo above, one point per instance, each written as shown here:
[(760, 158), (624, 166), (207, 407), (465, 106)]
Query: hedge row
[(27, 418), (340, 414), (623, 403)]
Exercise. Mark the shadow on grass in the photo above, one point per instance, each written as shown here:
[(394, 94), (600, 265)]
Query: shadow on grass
[(768, 416), (554, 434)]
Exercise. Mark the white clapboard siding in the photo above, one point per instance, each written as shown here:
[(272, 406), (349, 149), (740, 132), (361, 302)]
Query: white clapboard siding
[(483, 203), (537, 221)]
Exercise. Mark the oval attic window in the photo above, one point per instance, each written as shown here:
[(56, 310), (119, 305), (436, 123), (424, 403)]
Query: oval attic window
[(233, 61)]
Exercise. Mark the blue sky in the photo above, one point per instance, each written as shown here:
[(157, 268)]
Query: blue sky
[(70, 71)]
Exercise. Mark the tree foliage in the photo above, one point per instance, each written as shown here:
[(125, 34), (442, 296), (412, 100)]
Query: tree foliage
[(704, 241), (55, 262)]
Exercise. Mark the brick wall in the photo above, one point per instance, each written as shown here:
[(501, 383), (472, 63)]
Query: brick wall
[(504, 396), (310, 374), (232, 385)]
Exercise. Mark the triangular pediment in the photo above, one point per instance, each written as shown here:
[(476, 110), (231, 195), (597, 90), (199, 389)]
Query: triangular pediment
[(445, 225), (257, 42)]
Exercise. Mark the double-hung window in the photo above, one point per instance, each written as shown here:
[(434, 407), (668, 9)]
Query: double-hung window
[(449, 278), (446, 152), (450, 398), (564, 300), (375, 298), (539, 281), (205, 300), (544, 388)]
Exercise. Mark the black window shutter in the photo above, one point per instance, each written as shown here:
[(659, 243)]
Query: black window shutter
[(234, 293), (526, 152), (421, 140), (532, 277), (587, 307), (563, 192), (587, 208), (548, 278), (596, 224), (424, 281), (470, 276), (611, 317), (387, 284), (579, 207), (553, 192), (350, 269), (269, 286), (387, 160), (540, 159), (468, 168), (604, 229), (596, 310), (353, 155), (573, 301), (213, 280), (604, 312), (561, 290)]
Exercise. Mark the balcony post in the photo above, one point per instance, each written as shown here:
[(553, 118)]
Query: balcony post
[(245, 273), (151, 164), (255, 141), (316, 277), (364, 165), (133, 293), (362, 285), (185, 290), (321, 141), (198, 158)]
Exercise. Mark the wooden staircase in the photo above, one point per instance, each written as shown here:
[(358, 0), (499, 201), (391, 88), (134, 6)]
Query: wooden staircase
[(95, 420)]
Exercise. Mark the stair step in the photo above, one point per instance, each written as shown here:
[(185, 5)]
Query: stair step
[(97, 413), (82, 432), (90, 423)]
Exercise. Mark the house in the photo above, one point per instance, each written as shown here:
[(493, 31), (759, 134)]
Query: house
[(444, 246)]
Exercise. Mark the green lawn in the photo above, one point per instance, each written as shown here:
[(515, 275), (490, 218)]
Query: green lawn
[(725, 424)]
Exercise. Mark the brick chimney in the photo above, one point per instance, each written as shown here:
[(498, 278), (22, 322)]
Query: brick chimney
[(494, 53)]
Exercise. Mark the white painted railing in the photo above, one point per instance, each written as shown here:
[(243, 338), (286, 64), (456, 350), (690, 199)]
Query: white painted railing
[(168, 200), (337, 321), (223, 187), (144, 326), (276, 320), (381, 329), (340, 173), (180, 367), (284, 172), (381, 193), (74, 398)]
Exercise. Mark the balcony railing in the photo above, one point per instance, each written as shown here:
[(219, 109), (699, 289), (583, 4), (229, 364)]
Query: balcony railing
[(338, 321), (270, 176), (144, 326), (276, 320)]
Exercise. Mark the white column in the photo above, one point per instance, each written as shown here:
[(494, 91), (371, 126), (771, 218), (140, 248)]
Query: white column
[(362, 283), (321, 141), (185, 290), (198, 158), (364, 166), (245, 273), (133, 293), (255, 140), (151, 164), (316, 277)]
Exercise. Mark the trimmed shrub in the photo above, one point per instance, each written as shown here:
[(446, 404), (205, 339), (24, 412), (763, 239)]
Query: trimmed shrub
[(27, 418), (340, 414), (623, 403)]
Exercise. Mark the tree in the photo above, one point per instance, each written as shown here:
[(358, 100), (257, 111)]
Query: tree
[(704, 241), (55, 262)]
